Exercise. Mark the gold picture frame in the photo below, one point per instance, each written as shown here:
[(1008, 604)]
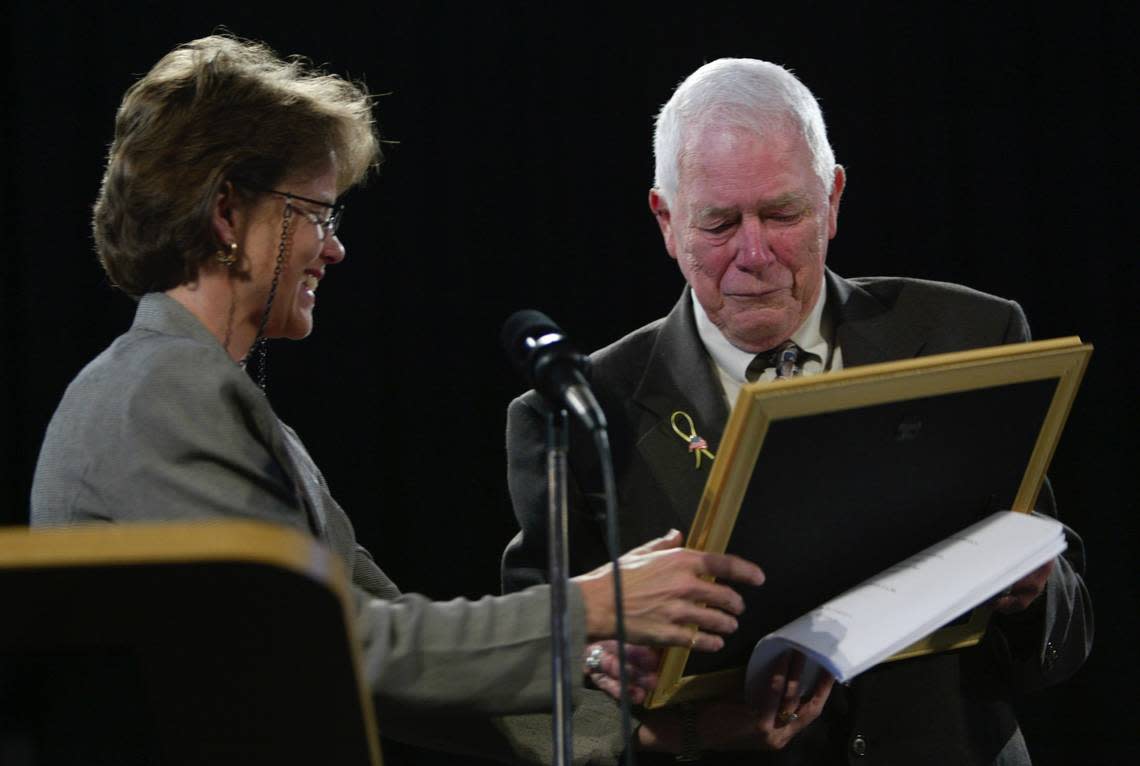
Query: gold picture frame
[(1052, 369)]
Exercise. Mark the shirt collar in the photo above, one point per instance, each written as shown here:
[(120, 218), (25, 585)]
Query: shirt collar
[(734, 361)]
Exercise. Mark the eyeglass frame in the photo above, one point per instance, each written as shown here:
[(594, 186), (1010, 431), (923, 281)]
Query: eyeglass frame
[(326, 228)]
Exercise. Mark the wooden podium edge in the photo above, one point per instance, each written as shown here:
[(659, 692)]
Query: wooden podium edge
[(224, 540)]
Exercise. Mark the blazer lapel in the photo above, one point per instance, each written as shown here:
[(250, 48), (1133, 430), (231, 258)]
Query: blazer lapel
[(866, 330), (679, 377)]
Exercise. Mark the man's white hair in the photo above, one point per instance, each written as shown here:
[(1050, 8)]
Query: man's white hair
[(757, 96)]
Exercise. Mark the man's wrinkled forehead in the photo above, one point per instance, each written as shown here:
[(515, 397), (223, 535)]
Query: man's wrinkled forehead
[(701, 164)]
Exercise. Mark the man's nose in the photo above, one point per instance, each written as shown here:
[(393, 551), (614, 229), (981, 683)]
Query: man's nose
[(754, 249)]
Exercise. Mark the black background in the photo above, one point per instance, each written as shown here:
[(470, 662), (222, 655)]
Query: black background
[(985, 143)]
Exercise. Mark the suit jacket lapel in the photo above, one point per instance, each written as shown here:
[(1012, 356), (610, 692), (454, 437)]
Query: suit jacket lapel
[(866, 330), (679, 376)]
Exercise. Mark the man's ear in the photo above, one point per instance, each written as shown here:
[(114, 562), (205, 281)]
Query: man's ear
[(837, 187), (660, 209)]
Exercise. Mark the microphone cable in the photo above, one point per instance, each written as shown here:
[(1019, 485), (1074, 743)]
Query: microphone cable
[(613, 541)]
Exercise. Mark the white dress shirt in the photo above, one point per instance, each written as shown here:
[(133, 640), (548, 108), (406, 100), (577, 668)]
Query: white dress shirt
[(815, 336)]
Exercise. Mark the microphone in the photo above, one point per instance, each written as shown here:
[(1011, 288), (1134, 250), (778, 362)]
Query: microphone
[(544, 356)]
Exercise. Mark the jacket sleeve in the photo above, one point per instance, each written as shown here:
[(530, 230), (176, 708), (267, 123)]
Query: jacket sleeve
[(486, 657), (1051, 639)]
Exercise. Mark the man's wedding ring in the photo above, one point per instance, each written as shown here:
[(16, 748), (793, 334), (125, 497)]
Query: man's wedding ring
[(594, 659)]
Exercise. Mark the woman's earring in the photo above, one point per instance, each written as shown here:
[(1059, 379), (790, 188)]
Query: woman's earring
[(227, 257)]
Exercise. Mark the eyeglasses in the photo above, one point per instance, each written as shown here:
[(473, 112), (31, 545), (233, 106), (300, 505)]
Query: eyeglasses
[(326, 227)]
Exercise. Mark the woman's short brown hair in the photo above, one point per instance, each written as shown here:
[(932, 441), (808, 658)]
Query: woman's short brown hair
[(214, 110)]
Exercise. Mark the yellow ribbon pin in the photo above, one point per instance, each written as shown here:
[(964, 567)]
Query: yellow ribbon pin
[(697, 445)]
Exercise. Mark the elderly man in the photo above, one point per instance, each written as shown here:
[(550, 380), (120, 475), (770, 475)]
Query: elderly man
[(747, 198)]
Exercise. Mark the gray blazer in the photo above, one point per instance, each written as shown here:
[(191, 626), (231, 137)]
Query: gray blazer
[(164, 426), (954, 708)]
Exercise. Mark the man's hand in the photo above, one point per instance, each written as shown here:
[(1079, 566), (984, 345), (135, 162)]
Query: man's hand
[(666, 593), (731, 725), (1024, 592)]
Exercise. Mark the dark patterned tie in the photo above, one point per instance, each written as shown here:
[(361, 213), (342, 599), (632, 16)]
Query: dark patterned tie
[(787, 358)]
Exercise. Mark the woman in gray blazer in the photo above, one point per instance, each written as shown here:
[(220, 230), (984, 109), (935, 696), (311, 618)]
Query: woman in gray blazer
[(218, 212)]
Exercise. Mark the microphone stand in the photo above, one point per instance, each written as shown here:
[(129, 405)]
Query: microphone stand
[(557, 446), (541, 352)]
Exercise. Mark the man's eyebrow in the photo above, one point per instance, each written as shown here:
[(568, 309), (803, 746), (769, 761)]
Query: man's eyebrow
[(784, 200), (714, 211), (717, 211)]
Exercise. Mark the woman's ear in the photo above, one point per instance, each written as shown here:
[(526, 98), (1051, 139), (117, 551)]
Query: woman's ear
[(223, 216)]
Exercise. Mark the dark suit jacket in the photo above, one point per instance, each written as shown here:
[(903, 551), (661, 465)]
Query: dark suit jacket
[(952, 708)]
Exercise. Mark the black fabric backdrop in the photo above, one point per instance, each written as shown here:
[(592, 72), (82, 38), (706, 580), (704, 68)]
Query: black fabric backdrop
[(988, 144)]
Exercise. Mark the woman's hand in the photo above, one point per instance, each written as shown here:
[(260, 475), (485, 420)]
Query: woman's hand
[(668, 597), (601, 666)]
